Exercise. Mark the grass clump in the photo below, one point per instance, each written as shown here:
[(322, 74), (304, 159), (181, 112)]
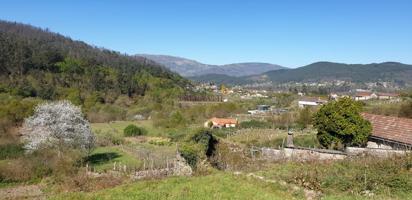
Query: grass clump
[(133, 130)]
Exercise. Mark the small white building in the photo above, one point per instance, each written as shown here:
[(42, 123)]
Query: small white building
[(387, 96), (310, 101)]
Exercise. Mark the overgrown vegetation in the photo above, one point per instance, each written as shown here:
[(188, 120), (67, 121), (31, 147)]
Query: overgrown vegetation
[(388, 177)]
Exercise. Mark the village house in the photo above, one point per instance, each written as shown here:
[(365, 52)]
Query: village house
[(364, 95), (310, 101), (389, 132), (221, 123), (387, 96)]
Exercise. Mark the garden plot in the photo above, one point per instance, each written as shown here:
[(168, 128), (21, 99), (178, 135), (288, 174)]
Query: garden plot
[(274, 138)]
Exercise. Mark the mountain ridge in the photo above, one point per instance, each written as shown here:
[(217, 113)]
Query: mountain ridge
[(187, 67), (325, 71)]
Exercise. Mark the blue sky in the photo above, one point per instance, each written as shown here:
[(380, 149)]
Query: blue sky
[(290, 33)]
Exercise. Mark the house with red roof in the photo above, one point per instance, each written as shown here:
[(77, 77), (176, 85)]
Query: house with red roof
[(364, 95), (389, 132), (221, 123)]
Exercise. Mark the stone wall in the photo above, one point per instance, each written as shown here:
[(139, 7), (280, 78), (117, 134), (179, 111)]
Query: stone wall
[(306, 154), (355, 151), (301, 154)]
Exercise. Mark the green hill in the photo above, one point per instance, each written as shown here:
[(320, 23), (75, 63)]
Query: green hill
[(35, 62), (324, 71)]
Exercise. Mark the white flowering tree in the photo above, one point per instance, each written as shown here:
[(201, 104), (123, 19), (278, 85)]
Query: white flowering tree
[(55, 125)]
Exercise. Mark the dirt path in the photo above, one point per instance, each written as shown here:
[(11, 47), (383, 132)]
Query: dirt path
[(22, 192)]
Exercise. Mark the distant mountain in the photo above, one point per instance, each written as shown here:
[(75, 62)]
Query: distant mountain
[(325, 71), (220, 79), (188, 68)]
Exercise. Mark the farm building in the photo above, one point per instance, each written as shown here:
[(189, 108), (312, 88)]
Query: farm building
[(389, 132), (364, 95), (310, 101), (221, 123), (387, 96), (261, 109)]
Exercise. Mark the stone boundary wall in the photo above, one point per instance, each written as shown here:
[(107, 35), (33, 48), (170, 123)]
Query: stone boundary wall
[(300, 154), (307, 154), (356, 151)]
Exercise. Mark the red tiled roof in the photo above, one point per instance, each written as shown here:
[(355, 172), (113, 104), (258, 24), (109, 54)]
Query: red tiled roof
[(391, 128), (363, 94), (223, 121)]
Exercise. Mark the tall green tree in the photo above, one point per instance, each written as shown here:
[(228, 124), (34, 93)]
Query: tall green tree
[(340, 124)]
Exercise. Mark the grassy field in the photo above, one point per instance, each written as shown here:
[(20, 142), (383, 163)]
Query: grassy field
[(103, 158), (213, 187), (273, 138), (222, 185), (118, 127), (155, 147)]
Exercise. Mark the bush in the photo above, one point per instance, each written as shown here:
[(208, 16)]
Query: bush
[(191, 153), (339, 123), (133, 130), (205, 138)]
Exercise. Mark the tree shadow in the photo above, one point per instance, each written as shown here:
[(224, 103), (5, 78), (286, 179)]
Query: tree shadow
[(100, 158)]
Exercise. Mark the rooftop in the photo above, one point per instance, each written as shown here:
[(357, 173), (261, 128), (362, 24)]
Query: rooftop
[(390, 128), (223, 121)]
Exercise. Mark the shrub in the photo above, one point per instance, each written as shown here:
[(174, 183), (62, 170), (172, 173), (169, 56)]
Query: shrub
[(190, 153), (340, 123), (205, 138), (133, 130)]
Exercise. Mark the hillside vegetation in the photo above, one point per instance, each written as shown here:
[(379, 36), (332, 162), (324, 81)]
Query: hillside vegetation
[(38, 65)]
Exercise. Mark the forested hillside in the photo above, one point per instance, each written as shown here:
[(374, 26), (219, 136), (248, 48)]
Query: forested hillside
[(38, 65)]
